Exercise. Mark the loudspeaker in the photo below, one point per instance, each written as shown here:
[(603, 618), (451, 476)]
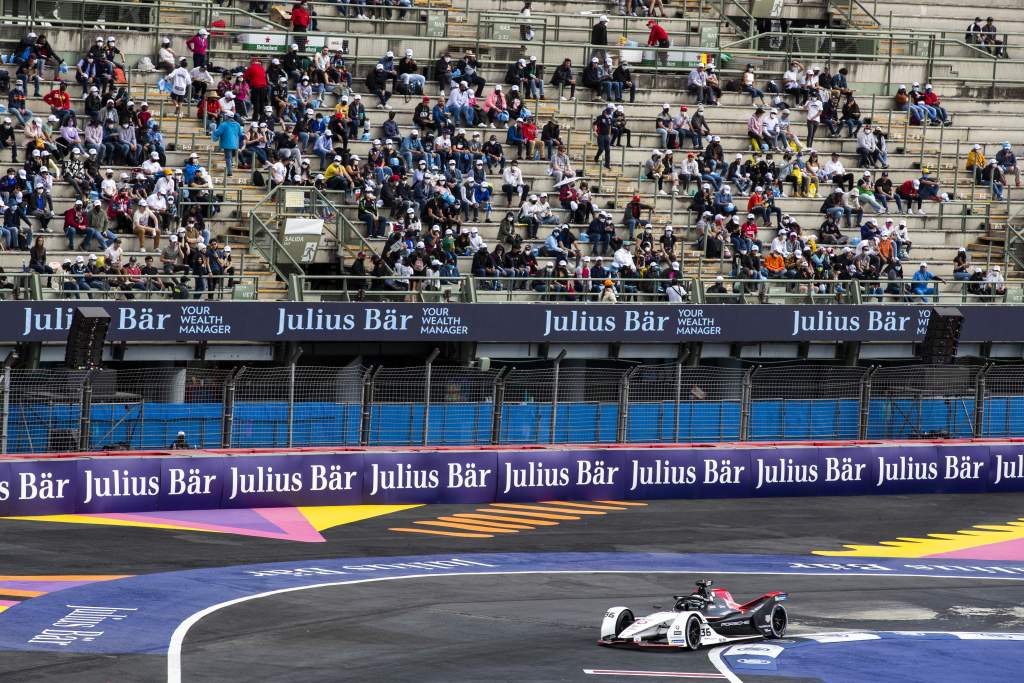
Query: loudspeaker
[(943, 335), (86, 337)]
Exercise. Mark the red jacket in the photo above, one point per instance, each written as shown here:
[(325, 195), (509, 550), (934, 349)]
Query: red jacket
[(907, 189), (58, 99), (255, 76), (300, 16), (658, 35), (75, 218), (754, 201), (930, 98)]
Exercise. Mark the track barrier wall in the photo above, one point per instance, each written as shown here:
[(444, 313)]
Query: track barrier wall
[(108, 484)]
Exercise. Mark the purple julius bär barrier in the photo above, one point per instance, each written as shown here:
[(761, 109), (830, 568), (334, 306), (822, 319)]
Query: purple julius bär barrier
[(135, 484)]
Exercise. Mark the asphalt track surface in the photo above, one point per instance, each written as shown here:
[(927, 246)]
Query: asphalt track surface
[(511, 628)]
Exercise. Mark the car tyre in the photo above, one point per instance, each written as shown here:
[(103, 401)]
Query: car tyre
[(624, 621), (692, 632), (777, 622)]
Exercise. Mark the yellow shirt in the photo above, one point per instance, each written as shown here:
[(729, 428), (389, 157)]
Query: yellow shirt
[(975, 159), (332, 170)]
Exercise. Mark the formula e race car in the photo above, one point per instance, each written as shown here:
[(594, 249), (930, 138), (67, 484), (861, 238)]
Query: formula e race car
[(705, 617)]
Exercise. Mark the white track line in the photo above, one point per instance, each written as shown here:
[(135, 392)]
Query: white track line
[(651, 674), (716, 660)]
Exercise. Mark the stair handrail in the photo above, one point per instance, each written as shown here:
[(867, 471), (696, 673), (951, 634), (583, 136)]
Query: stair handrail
[(1013, 238), (723, 5), (850, 5), (257, 227)]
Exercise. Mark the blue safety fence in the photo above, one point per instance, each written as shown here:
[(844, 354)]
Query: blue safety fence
[(278, 407), (261, 425)]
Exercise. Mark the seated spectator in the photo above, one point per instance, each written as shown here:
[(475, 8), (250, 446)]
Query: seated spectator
[(1008, 162), (921, 289), (748, 85), (991, 41), (993, 178), (697, 85), (994, 285), (961, 265), (562, 77), (976, 162)]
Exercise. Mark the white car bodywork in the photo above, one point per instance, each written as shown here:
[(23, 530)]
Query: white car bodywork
[(671, 625)]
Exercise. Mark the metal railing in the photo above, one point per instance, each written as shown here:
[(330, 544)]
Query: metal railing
[(413, 288), (526, 289), (180, 285), (440, 404)]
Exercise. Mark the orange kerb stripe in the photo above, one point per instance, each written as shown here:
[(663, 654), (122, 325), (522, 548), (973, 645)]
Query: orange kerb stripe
[(467, 527), (623, 502), (500, 518), (541, 515), (67, 577), (484, 523), (587, 506), (517, 506), (21, 592), (441, 533)]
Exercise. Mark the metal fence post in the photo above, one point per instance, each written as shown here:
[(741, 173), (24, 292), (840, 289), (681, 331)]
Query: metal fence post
[(554, 397), (291, 403), (623, 417), (85, 419), (426, 394), (365, 414), (865, 403), (745, 400), (979, 402), (679, 399), (497, 406), (291, 393), (6, 409), (227, 419)]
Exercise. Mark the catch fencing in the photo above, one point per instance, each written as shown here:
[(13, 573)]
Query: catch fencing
[(58, 410)]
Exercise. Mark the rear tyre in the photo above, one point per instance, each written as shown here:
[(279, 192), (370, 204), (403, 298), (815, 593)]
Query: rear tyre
[(777, 622), (624, 621), (693, 627)]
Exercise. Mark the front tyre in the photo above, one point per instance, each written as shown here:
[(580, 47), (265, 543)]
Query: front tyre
[(777, 622), (693, 628), (624, 621)]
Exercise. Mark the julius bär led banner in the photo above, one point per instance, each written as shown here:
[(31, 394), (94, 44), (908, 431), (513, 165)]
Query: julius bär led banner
[(500, 322), (127, 484)]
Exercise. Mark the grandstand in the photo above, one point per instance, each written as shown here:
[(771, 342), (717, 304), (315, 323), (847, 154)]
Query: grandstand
[(880, 48)]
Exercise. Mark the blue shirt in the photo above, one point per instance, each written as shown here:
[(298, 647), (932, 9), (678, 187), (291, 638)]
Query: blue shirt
[(920, 278), (229, 134)]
